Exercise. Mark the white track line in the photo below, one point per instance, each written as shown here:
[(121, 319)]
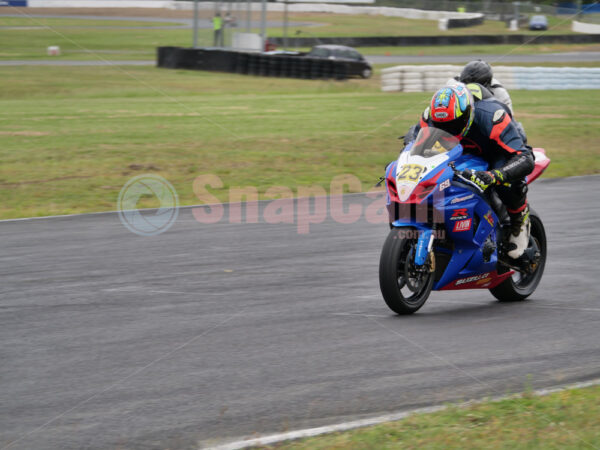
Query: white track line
[(344, 426)]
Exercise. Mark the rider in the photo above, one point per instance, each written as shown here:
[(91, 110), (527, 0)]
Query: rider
[(486, 129), (480, 72)]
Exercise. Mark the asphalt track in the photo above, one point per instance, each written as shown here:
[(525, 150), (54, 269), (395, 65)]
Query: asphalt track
[(207, 333)]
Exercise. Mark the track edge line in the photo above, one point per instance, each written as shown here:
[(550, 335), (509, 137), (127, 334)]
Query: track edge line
[(361, 423)]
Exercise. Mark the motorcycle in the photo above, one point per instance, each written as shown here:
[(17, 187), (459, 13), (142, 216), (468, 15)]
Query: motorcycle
[(446, 233)]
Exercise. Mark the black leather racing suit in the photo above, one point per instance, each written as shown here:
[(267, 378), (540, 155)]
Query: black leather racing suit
[(494, 136)]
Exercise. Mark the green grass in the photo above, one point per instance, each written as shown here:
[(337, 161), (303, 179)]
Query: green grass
[(80, 40), (589, 18), (117, 43), (367, 25), (477, 50), (568, 419), (71, 137), (78, 23)]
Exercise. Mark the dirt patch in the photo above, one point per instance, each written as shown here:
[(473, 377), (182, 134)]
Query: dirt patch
[(143, 167), (23, 133), (117, 116), (541, 115), (49, 180)]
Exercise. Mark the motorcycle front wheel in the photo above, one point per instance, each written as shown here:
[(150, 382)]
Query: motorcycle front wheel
[(404, 286)]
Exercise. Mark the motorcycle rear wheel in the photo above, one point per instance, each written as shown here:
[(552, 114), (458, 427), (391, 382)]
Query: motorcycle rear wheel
[(404, 286), (520, 286)]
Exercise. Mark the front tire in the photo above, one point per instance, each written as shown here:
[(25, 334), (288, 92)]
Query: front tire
[(521, 286), (404, 286)]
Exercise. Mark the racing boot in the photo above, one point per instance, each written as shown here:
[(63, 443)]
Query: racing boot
[(520, 225)]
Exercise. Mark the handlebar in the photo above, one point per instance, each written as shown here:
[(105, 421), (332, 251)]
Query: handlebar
[(458, 174)]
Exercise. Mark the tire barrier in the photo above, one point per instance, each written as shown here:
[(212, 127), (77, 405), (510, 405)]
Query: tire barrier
[(429, 78), (477, 19), (289, 66)]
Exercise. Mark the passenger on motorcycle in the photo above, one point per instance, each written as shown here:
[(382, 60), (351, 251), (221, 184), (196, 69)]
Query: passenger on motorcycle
[(479, 78), (480, 72), (486, 129)]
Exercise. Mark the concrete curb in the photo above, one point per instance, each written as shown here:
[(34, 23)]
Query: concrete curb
[(345, 426)]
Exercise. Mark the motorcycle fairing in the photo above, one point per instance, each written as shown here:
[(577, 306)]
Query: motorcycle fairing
[(486, 280), (466, 268)]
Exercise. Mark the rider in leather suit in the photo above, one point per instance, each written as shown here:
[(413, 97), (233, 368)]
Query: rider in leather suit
[(480, 72), (486, 128)]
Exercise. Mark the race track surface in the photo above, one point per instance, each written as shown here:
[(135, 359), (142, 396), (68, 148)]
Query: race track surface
[(211, 332)]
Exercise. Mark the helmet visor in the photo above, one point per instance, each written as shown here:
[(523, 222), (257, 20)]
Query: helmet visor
[(454, 127)]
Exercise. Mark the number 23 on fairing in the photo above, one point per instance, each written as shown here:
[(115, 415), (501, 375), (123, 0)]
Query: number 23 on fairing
[(410, 172)]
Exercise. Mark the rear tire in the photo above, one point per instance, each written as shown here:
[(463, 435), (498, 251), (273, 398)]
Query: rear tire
[(404, 288), (520, 286)]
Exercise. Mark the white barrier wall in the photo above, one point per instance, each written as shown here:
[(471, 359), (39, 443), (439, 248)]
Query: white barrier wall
[(408, 13), (588, 28), (100, 4), (430, 78)]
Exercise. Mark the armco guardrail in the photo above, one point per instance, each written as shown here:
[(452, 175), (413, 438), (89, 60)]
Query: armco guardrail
[(429, 78)]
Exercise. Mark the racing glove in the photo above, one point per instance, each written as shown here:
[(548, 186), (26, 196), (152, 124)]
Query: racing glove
[(481, 178)]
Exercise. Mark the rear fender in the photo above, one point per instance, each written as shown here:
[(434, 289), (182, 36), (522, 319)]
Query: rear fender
[(540, 164)]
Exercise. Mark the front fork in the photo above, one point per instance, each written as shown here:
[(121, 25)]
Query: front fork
[(424, 246), (424, 251)]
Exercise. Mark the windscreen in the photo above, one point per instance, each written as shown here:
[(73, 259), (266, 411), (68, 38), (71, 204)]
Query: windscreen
[(432, 141)]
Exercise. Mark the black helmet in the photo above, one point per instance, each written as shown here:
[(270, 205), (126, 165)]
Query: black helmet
[(477, 72)]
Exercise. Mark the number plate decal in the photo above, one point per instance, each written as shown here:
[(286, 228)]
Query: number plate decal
[(410, 172)]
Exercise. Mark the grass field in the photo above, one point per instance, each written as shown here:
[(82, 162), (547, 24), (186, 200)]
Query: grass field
[(564, 420), (368, 25), (477, 50), (27, 37), (72, 137), (28, 22), (74, 42)]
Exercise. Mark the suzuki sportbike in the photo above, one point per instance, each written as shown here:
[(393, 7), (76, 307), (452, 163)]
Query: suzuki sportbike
[(446, 233)]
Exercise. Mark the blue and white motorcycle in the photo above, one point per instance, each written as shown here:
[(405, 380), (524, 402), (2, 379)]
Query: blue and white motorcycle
[(446, 233)]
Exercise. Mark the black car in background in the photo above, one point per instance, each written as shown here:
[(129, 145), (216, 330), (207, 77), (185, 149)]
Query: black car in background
[(356, 64)]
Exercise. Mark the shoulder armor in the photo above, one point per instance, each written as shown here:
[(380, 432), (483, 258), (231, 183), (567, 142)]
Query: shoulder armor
[(479, 92), (476, 91), (499, 116)]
